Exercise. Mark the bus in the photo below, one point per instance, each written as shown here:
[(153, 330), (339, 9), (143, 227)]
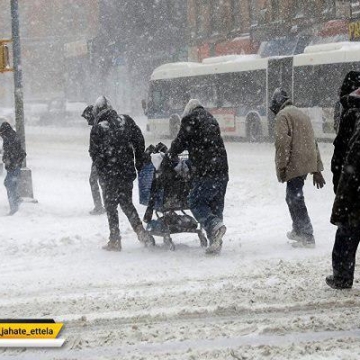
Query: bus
[(237, 89)]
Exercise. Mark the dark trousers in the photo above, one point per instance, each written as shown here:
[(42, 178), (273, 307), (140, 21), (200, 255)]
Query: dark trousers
[(206, 202), (296, 203), (344, 252), (94, 185), (11, 183), (119, 194)]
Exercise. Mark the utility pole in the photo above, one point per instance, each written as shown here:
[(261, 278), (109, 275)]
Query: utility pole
[(25, 186)]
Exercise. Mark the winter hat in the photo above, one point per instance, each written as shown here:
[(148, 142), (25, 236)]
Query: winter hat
[(279, 97), (351, 82), (5, 128), (88, 114), (190, 106), (102, 103)]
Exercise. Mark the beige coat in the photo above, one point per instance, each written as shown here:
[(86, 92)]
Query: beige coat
[(297, 153)]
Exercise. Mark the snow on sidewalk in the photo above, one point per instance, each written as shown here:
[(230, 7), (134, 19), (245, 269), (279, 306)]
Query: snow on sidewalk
[(260, 299)]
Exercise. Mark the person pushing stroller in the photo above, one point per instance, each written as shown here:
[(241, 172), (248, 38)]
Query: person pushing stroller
[(200, 135)]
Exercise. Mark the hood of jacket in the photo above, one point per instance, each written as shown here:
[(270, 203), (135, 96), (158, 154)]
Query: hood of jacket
[(352, 100), (6, 131), (278, 100), (190, 107), (102, 103), (351, 82), (108, 115)]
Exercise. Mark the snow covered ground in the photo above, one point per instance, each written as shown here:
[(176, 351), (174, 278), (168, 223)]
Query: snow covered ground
[(261, 299)]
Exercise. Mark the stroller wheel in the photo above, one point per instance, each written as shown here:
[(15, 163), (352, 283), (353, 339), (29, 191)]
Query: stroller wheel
[(169, 243), (203, 239)]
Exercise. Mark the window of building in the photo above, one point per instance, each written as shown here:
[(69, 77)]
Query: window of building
[(299, 8), (329, 7), (355, 9), (216, 16), (253, 12), (275, 10), (201, 12), (236, 14)]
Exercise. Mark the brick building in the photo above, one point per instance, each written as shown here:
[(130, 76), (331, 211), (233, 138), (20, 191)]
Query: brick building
[(268, 27), (219, 27)]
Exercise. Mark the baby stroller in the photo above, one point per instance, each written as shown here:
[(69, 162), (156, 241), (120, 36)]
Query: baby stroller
[(164, 190)]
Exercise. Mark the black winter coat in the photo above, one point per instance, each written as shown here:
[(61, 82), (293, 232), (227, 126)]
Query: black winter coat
[(116, 147), (14, 154), (200, 134), (345, 165)]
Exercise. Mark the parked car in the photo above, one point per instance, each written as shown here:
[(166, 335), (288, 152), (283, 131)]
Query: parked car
[(62, 112), (34, 110)]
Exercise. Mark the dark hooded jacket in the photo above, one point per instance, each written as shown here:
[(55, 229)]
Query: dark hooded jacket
[(345, 131), (14, 154), (200, 134), (116, 146), (346, 164)]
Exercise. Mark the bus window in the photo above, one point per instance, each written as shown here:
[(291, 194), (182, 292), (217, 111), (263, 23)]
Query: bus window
[(159, 98), (178, 94), (304, 86), (327, 91), (244, 89), (204, 89)]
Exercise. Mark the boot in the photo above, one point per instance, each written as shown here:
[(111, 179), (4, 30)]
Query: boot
[(144, 237), (97, 210), (305, 241), (113, 245), (216, 241), (337, 283)]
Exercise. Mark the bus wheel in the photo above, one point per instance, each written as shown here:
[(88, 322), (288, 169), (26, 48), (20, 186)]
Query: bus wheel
[(174, 128), (254, 130)]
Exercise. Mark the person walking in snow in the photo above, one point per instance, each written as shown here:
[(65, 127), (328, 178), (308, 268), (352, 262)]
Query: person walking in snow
[(345, 166), (94, 180), (117, 148), (13, 157), (296, 155), (200, 134)]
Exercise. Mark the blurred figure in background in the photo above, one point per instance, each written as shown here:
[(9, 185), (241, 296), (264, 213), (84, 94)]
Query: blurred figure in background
[(117, 148), (94, 176), (13, 157), (296, 156)]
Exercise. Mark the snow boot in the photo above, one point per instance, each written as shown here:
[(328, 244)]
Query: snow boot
[(113, 245), (293, 235), (338, 284), (144, 237), (305, 241), (216, 241), (97, 210)]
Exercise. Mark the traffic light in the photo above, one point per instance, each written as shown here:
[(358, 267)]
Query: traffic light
[(4, 58)]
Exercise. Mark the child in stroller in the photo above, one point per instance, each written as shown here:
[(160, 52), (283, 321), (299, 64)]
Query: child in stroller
[(164, 186)]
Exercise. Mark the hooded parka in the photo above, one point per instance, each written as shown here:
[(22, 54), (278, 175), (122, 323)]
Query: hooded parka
[(346, 164)]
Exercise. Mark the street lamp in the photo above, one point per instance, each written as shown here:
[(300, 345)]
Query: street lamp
[(25, 187)]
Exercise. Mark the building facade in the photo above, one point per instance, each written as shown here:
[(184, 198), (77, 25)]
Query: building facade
[(219, 27), (267, 27), (133, 39), (54, 42)]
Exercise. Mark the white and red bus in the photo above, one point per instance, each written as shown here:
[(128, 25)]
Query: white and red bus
[(236, 89)]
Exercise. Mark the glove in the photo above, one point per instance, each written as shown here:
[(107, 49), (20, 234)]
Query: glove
[(318, 180)]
